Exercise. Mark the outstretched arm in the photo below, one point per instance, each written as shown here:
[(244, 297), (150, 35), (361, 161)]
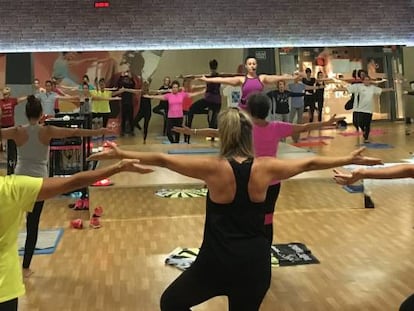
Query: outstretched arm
[(160, 97), (297, 128), (396, 171), (283, 169), (206, 132), (63, 132), (273, 79), (57, 185), (192, 166), (234, 81)]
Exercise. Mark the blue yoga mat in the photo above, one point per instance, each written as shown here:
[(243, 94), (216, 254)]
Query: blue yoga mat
[(47, 241), (377, 146), (354, 188), (193, 151)]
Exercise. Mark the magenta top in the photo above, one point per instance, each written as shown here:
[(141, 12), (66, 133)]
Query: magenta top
[(175, 104), (266, 138), (250, 86)]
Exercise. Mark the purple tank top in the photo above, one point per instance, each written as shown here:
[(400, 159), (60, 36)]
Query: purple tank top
[(249, 86)]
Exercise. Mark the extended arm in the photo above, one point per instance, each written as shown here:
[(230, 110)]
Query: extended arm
[(283, 169), (205, 132), (396, 171), (63, 132), (273, 79), (234, 81), (192, 166), (160, 97), (57, 185), (297, 128)]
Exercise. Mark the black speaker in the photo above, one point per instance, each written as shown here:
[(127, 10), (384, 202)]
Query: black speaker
[(19, 68)]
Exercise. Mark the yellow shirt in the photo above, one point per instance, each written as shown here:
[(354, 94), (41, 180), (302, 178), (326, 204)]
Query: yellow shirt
[(17, 195), (101, 106)]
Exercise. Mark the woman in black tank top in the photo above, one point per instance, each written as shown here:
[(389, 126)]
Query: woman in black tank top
[(234, 258)]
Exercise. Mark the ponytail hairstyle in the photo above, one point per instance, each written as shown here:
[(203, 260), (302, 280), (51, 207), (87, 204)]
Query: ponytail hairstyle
[(34, 108), (235, 133)]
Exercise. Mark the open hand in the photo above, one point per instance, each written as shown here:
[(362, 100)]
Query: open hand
[(111, 152), (346, 178), (358, 158), (334, 119), (128, 165)]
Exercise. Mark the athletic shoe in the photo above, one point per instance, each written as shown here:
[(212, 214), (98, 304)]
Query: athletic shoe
[(95, 223), (76, 224)]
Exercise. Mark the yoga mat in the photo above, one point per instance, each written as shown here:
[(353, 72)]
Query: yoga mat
[(282, 255), (310, 143), (47, 241), (354, 188), (193, 151), (374, 132), (377, 146)]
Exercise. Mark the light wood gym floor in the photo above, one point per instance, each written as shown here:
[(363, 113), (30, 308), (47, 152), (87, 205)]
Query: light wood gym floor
[(366, 255)]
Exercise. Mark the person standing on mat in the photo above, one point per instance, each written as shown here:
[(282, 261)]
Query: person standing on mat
[(175, 108), (250, 83), (309, 98), (7, 109), (32, 142), (365, 105), (266, 138), (391, 172), (211, 100), (144, 111), (234, 258), (162, 107)]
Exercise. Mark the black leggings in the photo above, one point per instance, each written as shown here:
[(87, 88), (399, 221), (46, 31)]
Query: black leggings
[(32, 228), (144, 112), (319, 102), (11, 155), (173, 137), (245, 286), (309, 101), (199, 107), (127, 116), (408, 304), (9, 305), (162, 109), (271, 197), (362, 120)]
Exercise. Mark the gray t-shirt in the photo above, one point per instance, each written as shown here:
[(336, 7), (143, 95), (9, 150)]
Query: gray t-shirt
[(297, 102)]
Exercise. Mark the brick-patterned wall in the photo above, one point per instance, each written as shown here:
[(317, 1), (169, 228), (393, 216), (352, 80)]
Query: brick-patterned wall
[(41, 25)]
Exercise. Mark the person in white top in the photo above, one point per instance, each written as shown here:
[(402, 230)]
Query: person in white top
[(364, 107)]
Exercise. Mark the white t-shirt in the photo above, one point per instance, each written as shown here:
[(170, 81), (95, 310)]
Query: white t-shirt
[(366, 96), (233, 94)]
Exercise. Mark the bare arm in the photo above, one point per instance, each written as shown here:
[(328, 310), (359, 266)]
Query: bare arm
[(396, 171), (63, 132), (297, 128), (283, 169), (192, 166), (21, 99), (273, 79), (206, 132), (10, 133), (160, 97), (57, 185), (234, 81)]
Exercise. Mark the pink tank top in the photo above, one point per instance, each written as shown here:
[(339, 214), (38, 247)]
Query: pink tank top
[(250, 86)]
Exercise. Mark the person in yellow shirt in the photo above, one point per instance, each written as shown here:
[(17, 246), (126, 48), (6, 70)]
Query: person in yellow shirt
[(17, 196)]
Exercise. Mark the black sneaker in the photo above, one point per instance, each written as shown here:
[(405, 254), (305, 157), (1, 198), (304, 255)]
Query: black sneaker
[(368, 203)]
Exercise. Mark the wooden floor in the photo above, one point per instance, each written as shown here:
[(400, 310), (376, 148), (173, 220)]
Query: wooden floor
[(366, 255)]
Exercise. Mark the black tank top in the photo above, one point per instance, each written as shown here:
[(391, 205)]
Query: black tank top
[(234, 232)]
